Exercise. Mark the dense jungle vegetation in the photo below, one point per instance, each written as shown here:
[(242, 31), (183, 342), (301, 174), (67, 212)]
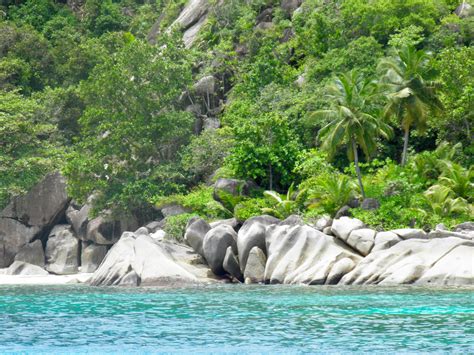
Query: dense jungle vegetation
[(340, 100)]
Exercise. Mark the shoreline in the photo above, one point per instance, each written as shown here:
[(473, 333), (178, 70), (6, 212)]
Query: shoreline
[(44, 280)]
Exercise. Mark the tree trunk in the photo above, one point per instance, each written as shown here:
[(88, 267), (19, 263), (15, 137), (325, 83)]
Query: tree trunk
[(270, 171), (356, 163), (405, 146)]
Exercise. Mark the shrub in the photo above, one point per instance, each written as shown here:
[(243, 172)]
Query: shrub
[(329, 192), (175, 226), (199, 201), (250, 208)]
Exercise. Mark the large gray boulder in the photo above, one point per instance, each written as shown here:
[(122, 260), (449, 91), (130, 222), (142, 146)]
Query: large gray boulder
[(28, 216), (196, 230), (32, 253), (215, 245), (139, 260), (22, 268), (289, 6), (446, 261), (192, 13), (106, 230), (62, 251), (255, 268), (362, 240), (303, 255), (231, 264), (92, 256), (252, 234), (13, 236), (42, 205), (78, 219), (342, 227), (205, 86), (231, 222), (231, 187)]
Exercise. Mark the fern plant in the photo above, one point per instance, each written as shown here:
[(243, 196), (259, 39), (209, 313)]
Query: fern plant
[(443, 203), (458, 179), (284, 204), (330, 192)]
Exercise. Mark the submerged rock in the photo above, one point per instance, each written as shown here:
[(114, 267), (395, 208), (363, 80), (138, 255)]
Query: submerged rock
[(303, 255), (447, 261)]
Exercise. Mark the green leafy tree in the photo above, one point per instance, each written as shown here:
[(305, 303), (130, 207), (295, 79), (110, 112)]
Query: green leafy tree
[(132, 127), (352, 119), (266, 150), (410, 94), (27, 150)]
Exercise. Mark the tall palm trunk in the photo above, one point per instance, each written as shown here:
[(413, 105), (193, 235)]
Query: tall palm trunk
[(405, 146), (356, 163)]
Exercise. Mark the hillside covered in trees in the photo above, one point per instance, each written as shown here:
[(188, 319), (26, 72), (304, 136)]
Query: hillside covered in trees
[(323, 103)]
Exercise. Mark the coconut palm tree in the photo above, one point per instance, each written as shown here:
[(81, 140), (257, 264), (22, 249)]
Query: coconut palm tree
[(352, 120), (410, 94)]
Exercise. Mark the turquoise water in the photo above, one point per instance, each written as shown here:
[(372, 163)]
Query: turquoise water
[(236, 319)]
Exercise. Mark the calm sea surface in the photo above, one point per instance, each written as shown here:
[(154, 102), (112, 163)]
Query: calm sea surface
[(236, 319)]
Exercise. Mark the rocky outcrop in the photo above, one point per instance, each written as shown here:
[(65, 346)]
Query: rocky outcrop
[(32, 253), (215, 245), (191, 19), (62, 251), (140, 260), (303, 255), (196, 230), (447, 261), (252, 234), (31, 215), (255, 268)]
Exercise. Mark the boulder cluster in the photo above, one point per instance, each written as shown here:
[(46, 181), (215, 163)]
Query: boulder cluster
[(344, 251), (43, 232)]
